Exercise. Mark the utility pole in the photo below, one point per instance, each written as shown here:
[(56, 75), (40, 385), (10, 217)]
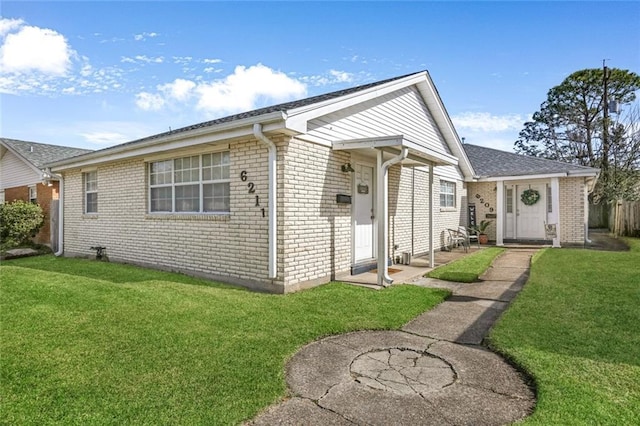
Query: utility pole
[(605, 124)]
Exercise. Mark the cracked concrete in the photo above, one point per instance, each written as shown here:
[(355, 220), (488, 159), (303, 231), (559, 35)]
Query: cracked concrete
[(433, 371)]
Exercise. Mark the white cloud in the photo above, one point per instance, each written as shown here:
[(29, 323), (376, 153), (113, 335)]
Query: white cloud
[(486, 122), (212, 61), (330, 77), (179, 90), (104, 138), (8, 25), (142, 59), (144, 36), (246, 88), (149, 101), (34, 49)]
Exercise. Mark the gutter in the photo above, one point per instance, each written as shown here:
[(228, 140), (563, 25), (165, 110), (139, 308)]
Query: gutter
[(273, 191), (382, 213), (60, 218)]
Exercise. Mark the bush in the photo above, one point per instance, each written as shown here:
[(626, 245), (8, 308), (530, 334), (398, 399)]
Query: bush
[(19, 223)]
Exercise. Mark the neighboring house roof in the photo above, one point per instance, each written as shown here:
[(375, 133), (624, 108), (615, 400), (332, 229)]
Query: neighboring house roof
[(493, 163), (39, 154), (290, 117)]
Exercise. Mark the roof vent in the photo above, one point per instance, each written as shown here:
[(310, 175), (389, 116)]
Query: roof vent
[(30, 148)]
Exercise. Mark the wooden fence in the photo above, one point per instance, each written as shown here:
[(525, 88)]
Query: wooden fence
[(621, 217)]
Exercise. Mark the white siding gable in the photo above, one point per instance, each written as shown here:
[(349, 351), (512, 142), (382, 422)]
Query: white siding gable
[(402, 112), (15, 172)]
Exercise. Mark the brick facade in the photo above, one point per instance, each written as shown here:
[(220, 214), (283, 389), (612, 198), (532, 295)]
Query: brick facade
[(314, 231), (572, 193)]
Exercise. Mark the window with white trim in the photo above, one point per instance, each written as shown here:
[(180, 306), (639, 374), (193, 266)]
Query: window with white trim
[(90, 192), (447, 194), (33, 194), (194, 184), (509, 200), (549, 200)]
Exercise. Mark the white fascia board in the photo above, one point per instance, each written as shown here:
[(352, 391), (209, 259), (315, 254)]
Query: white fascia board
[(443, 120), (212, 134), (417, 151), (379, 142), (583, 173), (521, 177), (297, 118)]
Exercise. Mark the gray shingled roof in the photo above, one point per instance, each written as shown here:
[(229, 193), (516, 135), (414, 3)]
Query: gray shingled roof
[(489, 162), (263, 111), (40, 154)]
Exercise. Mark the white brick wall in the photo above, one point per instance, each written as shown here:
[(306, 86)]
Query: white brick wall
[(409, 197), (231, 247), (572, 210), (571, 207)]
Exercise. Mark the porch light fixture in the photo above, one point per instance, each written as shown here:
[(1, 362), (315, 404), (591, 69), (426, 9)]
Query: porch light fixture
[(346, 168)]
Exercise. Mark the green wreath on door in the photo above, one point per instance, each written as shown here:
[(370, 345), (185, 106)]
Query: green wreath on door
[(530, 196)]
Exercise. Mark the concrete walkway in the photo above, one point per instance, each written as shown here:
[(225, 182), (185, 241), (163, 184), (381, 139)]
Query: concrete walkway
[(433, 371)]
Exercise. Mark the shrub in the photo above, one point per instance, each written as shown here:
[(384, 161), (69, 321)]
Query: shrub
[(19, 222)]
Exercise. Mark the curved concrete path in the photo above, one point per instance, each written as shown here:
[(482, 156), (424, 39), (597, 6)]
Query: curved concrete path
[(433, 371)]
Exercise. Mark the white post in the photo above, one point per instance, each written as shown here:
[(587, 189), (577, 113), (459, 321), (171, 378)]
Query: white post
[(555, 209), (500, 213), (432, 255)]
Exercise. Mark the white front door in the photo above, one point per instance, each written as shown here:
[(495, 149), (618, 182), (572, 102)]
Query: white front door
[(530, 219), (363, 234)]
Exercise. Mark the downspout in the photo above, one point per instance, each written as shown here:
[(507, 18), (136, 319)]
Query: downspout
[(272, 193), (60, 217), (382, 214)]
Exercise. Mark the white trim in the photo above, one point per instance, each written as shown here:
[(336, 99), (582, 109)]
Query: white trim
[(554, 216), (203, 135), (501, 213), (197, 150)]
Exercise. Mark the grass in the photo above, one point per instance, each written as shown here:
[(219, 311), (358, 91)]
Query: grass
[(468, 268), (86, 342), (574, 329)]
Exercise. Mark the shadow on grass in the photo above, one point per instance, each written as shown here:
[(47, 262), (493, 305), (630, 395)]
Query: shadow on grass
[(117, 273)]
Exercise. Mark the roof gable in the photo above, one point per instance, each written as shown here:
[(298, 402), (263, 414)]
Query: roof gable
[(489, 162), (290, 118), (38, 155)]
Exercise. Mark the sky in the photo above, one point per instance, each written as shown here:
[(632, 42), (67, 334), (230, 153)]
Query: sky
[(95, 74)]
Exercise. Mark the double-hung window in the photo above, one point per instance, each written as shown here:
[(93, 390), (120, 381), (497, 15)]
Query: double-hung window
[(447, 194), (90, 192), (194, 184)]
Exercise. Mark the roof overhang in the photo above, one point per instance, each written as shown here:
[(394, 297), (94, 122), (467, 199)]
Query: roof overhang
[(207, 135), (572, 173), (419, 155)]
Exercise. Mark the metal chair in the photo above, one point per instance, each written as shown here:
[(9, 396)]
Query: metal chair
[(455, 239), (470, 235)]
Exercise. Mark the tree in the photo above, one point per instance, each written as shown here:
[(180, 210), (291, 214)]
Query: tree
[(570, 127)]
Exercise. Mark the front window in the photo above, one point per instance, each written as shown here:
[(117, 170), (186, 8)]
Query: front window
[(549, 200), (509, 200), (90, 192), (195, 184), (447, 194)]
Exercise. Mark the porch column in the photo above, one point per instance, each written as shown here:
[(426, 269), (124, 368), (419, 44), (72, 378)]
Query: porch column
[(555, 209), (500, 213), (432, 255), (382, 218)]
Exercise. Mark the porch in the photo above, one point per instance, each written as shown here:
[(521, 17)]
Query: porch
[(407, 273)]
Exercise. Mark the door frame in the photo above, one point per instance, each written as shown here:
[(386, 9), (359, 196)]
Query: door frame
[(359, 161), (517, 188)]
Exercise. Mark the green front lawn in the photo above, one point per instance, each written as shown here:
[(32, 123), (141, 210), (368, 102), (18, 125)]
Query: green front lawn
[(468, 268), (85, 342), (575, 328)]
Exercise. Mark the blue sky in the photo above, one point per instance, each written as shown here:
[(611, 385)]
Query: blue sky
[(94, 74)]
